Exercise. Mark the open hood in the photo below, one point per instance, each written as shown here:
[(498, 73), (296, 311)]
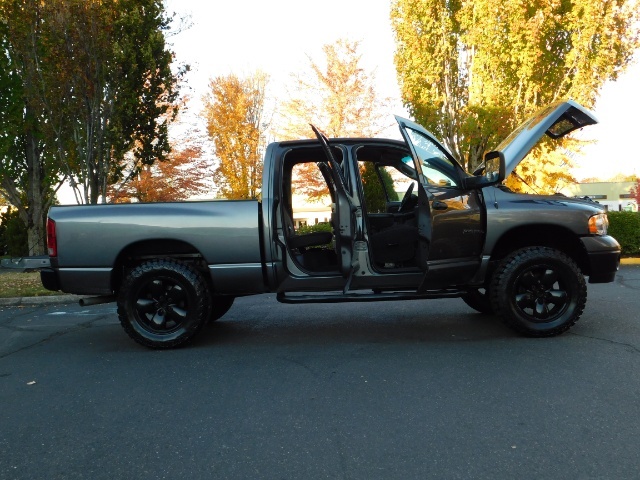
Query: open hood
[(556, 120)]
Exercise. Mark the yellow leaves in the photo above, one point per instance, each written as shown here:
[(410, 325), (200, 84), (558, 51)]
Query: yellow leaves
[(456, 59), (546, 170), (337, 95), (234, 113)]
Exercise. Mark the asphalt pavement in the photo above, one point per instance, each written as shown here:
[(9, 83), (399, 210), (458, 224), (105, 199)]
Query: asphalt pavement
[(389, 390)]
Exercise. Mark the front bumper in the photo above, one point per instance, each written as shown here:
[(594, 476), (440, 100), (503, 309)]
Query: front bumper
[(603, 253)]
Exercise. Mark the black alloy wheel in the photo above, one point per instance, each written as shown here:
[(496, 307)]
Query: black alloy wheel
[(542, 294), (539, 291), (163, 303)]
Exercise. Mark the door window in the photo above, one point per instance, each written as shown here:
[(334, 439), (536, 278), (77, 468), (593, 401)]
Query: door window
[(437, 168), (382, 185), (310, 196)]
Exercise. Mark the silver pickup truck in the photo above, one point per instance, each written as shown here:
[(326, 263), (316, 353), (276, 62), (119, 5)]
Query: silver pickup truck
[(173, 267)]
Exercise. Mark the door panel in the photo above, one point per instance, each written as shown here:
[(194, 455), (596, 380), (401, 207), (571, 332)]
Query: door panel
[(458, 229)]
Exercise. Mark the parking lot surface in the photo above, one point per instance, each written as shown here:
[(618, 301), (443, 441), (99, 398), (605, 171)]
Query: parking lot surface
[(417, 389)]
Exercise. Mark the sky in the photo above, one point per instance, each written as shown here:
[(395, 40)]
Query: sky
[(276, 37)]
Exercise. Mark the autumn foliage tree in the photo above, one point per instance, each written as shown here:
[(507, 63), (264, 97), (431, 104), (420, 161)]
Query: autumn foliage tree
[(235, 114), (471, 71), (635, 191), (182, 175), (336, 94)]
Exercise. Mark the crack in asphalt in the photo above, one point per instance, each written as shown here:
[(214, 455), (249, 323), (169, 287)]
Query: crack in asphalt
[(607, 340), (621, 280), (16, 328), (54, 335)]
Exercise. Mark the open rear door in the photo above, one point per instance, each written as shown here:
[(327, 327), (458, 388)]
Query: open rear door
[(343, 216)]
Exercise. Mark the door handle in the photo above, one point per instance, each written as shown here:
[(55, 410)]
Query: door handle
[(438, 205)]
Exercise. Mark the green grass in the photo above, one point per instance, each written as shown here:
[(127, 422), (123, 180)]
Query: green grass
[(18, 284)]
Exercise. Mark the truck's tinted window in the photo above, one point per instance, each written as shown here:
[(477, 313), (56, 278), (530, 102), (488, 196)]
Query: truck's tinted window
[(436, 166), (381, 185)]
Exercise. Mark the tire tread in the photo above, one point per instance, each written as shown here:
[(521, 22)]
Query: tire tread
[(190, 274), (510, 264)]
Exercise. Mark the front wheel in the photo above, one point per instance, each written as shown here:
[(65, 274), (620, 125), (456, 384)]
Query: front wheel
[(539, 291), (163, 303)]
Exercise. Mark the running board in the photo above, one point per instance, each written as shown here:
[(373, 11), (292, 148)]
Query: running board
[(366, 297)]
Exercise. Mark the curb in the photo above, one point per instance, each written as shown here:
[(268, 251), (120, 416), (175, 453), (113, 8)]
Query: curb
[(46, 300), (627, 261)]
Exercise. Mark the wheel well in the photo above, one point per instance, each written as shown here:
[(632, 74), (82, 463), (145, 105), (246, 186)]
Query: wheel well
[(552, 236), (136, 253)]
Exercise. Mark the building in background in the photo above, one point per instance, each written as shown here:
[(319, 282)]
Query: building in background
[(307, 213), (614, 196)]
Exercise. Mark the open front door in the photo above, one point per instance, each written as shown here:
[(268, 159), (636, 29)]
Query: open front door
[(425, 225), (343, 212)]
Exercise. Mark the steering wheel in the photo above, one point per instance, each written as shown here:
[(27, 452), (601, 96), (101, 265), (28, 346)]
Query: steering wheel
[(406, 198)]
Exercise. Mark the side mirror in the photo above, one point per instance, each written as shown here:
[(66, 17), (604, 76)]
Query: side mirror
[(494, 166), (489, 173)]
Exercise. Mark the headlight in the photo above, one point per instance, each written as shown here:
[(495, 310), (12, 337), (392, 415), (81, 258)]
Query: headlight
[(598, 224)]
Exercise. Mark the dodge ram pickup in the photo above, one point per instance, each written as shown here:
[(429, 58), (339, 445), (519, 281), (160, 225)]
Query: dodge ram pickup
[(438, 233)]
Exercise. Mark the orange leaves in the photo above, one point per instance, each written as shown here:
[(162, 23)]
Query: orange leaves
[(182, 175)]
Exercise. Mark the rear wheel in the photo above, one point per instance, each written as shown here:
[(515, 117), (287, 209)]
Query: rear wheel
[(163, 303), (539, 291)]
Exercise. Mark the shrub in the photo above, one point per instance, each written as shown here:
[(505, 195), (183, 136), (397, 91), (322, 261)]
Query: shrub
[(13, 234), (318, 227), (625, 227)]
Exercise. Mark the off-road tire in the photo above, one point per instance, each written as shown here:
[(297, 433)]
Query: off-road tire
[(538, 291), (163, 303), (219, 306), (478, 300)]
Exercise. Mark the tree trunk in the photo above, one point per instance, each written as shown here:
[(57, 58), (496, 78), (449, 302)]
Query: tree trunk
[(34, 209)]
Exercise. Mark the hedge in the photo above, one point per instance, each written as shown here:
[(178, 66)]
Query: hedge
[(625, 227), (318, 227)]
